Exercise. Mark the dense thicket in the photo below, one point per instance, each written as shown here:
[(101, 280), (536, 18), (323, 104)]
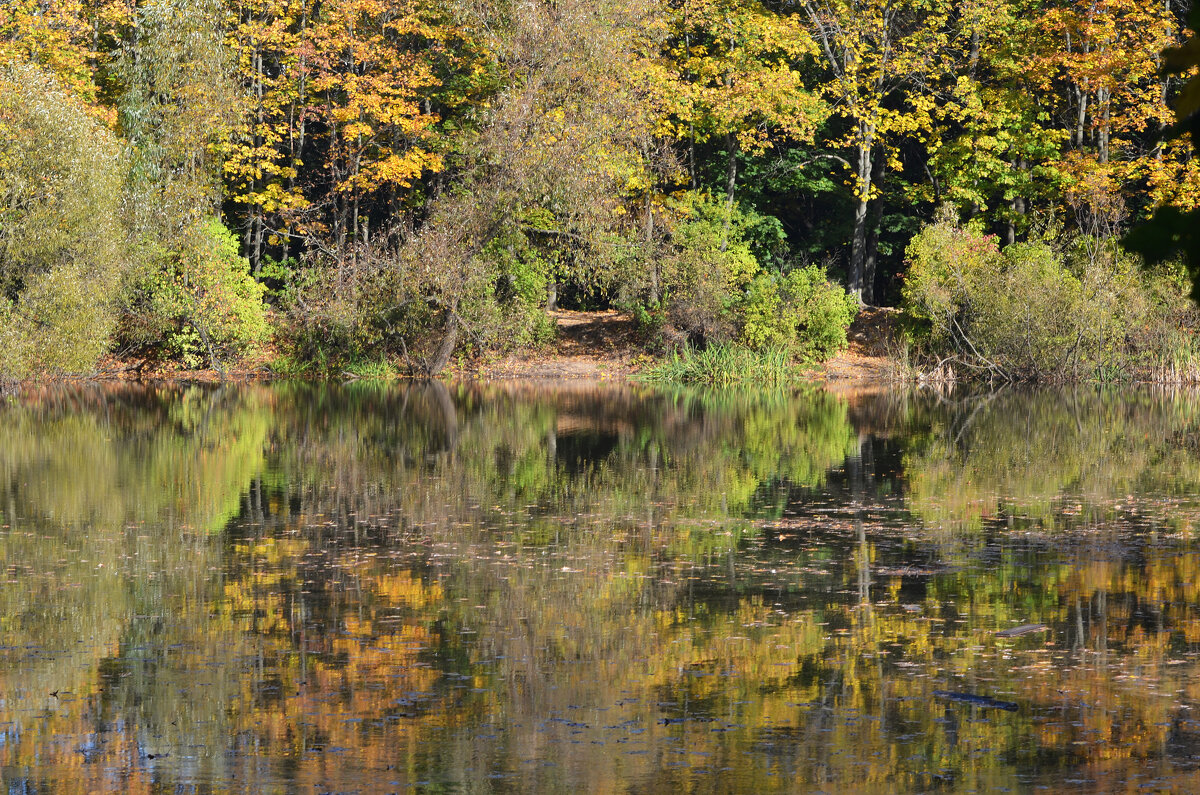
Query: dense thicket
[(60, 235), (410, 178), (1041, 310)]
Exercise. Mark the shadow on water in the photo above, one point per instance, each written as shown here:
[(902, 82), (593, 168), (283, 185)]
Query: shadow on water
[(596, 587)]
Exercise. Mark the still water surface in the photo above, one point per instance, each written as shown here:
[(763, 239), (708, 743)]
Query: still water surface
[(434, 588)]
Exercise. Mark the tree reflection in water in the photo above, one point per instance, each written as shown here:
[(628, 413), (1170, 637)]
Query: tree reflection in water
[(515, 587)]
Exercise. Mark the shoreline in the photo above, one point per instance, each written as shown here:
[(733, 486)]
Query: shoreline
[(590, 346)]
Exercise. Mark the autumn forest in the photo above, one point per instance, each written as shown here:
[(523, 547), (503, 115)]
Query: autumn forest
[(727, 566), (415, 181)]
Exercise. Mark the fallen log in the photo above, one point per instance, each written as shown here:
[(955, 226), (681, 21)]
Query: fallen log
[(1024, 629), (987, 702)]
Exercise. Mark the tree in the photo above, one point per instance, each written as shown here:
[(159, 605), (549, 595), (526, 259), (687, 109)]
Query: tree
[(995, 146), (56, 36), (739, 66), (877, 55), (1102, 66), (264, 158), (61, 239), (369, 77), (177, 107), (345, 102), (554, 181), (1173, 229)]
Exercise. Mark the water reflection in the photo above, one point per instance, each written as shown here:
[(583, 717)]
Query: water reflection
[(494, 588)]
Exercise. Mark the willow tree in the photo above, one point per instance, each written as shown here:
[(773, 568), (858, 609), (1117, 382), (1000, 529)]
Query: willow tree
[(61, 240), (546, 186)]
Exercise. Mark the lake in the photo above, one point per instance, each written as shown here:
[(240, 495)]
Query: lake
[(598, 587)]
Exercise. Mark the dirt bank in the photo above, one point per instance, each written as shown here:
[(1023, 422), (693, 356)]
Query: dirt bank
[(603, 345), (872, 338), (591, 346)]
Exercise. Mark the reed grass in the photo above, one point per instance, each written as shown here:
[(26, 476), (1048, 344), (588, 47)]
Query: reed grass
[(723, 364)]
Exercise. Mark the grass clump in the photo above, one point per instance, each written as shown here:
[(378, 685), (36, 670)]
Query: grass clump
[(724, 364), (289, 365)]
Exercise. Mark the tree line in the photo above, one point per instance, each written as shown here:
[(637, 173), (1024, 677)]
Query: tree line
[(411, 179)]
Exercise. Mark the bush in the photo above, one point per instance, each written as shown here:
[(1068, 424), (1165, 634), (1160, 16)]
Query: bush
[(61, 240), (717, 290), (945, 261), (1028, 312), (801, 311), (464, 278), (705, 268), (522, 274), (196, 301), (1035, 312)]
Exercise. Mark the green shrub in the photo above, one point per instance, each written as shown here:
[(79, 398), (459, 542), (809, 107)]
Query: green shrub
[(765, 320), (945, 262), (196, 301), (393, 301), (61, 239), (1027, 312), (522, 274), (706, 268), (56, 326), (801, 311), (717, 290), (1035, 312)]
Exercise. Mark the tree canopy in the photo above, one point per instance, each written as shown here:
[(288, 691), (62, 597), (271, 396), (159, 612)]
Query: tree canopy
[(415, 178)]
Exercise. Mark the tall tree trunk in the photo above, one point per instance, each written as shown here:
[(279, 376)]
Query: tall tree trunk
[(340, 223), (1017, 206), (687, 43), (730, 185), (858, 251), (1081, 116), (874, 218), (297, 125), (651, 258), (868, 293), (256, 241), (256, 238), (341, 204), (859, 243), (1102, 134)]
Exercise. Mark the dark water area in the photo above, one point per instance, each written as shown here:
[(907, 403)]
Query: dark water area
[(598, 588)]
